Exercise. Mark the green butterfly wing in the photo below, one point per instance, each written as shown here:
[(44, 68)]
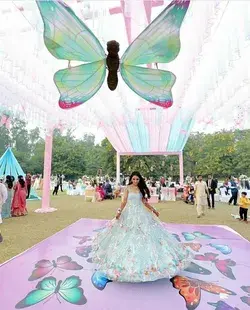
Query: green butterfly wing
[(160, 41), (152, 85), (78, 84), (66, 36), (44, 289), (71, 292)]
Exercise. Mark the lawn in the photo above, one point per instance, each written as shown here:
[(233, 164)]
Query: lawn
[(23, 232)]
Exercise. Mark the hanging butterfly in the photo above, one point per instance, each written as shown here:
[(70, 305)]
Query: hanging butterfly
[(194, 246), (84, 251), (194, 268), (224, 249), (221, 305), (83, 239), (246, 299), (67, 37), (69, 290), (99, 280), (43, 267), (223, 265), (196, 234), (190, 289)]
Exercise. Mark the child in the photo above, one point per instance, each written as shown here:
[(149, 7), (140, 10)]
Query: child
[(244, 203), (191, 194)]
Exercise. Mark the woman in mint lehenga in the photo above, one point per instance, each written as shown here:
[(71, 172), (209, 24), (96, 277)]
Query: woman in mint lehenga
[(6, 209), (135, 246)]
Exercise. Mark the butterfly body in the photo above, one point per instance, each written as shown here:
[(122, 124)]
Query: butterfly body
[(58, 287), (113, 63), (54, 263)]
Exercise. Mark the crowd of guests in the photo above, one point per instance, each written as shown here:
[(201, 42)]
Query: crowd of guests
[(202, 193), (13, 197)]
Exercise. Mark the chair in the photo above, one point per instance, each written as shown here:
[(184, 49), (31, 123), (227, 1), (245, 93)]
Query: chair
[(154, 197), (90, 194), (171, 194), (164, 194)]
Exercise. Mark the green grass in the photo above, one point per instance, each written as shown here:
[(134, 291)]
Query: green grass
[(23, 232)]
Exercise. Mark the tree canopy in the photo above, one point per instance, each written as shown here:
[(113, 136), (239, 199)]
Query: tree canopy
[(221, 154)]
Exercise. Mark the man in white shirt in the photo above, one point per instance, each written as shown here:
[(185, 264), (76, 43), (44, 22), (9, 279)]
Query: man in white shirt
[(201, 196)]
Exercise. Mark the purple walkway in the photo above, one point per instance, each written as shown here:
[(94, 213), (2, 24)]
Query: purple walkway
[(219, 277)]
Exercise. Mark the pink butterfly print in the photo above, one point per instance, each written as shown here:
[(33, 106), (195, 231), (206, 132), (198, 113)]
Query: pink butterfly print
[(84, 251), (83, 239), (44, 267), (223, 265), (246, 299)]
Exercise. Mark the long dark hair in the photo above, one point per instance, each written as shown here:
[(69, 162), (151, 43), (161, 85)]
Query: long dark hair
[(21, 180), (9, 181), (142, 185)]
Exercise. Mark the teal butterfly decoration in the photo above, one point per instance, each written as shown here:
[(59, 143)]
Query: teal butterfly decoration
[(67, 37), (69, 290)]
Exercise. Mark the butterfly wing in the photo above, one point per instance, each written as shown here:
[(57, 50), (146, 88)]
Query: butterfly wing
[(160, 41), (201, 235), (224, 249), (194, 246), (176, 236), (43, 267), (246, 300), (99, 229), (221, 305), (83, 239), (194, 268), (66, 36), (150, 84), (246, 289), (188, 236), (44, 289), (84, 251), (99, 280), (78, 84), (214, 289), (189, 289), (66, 263), (71, 292), (224, 267), (207, 257)]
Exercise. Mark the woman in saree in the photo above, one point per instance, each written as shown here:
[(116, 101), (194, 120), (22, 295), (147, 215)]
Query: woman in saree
[(18, 207)]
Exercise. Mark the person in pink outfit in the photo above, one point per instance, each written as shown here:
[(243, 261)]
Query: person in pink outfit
[(100, 192), (18, 207)]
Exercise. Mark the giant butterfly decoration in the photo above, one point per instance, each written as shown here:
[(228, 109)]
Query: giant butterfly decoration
[(67, 37)]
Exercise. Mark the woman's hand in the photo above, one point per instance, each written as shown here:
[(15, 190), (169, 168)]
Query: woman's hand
[(156, 213), (118, 214)]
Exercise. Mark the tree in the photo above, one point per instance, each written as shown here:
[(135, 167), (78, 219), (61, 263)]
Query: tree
[(5, 139)]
